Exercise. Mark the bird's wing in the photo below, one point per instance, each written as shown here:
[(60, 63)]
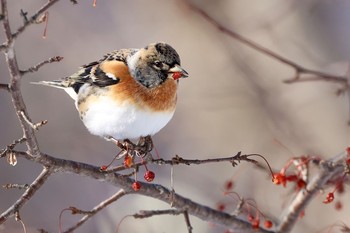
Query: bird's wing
[(92, 73)]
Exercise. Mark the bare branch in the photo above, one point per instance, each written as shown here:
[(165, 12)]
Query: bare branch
[(39, 65), (6, 23), (299, 69), (33, 18), (150, 190), (27, 195), (14, 85), (150, 213), (233, 160), (96, 209)]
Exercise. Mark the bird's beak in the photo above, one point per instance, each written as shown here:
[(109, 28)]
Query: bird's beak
[(178, 72)]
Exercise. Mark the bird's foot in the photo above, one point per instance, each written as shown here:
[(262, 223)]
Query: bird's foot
[(141, 149)]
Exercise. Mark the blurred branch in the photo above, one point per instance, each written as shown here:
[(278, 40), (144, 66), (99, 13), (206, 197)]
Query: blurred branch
[(39, 65), (27, 195), (95, 210), (299, 69), (328, 169)]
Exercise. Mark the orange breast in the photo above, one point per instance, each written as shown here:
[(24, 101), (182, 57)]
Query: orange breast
[(161, 98)]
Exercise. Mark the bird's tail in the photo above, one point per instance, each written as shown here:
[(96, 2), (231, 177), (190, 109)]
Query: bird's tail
[(55, 83)]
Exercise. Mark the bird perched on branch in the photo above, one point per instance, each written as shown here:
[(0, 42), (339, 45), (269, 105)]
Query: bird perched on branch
[(128, 94)]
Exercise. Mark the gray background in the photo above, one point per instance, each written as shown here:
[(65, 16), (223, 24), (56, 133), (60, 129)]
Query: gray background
[(234, 100)]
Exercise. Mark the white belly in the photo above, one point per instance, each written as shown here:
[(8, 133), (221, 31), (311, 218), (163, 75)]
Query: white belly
[(122, 121)]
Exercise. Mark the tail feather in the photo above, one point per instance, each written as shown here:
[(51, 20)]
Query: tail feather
[(62, 84), (54, 83)]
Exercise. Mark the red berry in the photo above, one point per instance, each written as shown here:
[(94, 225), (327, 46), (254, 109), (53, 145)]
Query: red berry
[(127, 161), (136, 186), (338, 205), (256, 223), (103, 168), (329, 198), (268, 224), (348, 151), (229, 185), (221, 207), (177, 75), (250, 218), (149, 176)]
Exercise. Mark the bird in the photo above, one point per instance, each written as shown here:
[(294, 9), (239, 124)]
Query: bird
[(128, 94)]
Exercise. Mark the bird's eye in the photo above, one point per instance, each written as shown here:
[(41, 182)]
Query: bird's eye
[(158, 64)]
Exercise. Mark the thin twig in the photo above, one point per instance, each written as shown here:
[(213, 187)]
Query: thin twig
[(33, 18), (11, 146), (96, 209), (15, 186), (188, 222), (39, 65), (27, 195), (299, 69), (233, 160), (19, 219), (150, 213), (34, 126), (4, 86)]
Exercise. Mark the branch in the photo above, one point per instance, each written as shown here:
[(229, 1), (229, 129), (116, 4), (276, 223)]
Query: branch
[(150, 190), (39, 65), (34, 17), (27, 195), (14, 85), (95, 210), (299, 69), (233, 160)]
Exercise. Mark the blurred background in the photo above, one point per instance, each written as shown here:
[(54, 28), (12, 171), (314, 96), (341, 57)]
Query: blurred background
[(235, 100)]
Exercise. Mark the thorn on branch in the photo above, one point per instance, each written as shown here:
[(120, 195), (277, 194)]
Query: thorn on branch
[(39, 65), (24, 15), (34, 126)]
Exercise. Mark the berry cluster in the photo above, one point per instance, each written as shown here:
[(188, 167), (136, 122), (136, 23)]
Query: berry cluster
[(245, 206), (128, 163)]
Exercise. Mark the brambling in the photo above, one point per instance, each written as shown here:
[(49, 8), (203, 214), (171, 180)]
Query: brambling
[(128, 94)]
